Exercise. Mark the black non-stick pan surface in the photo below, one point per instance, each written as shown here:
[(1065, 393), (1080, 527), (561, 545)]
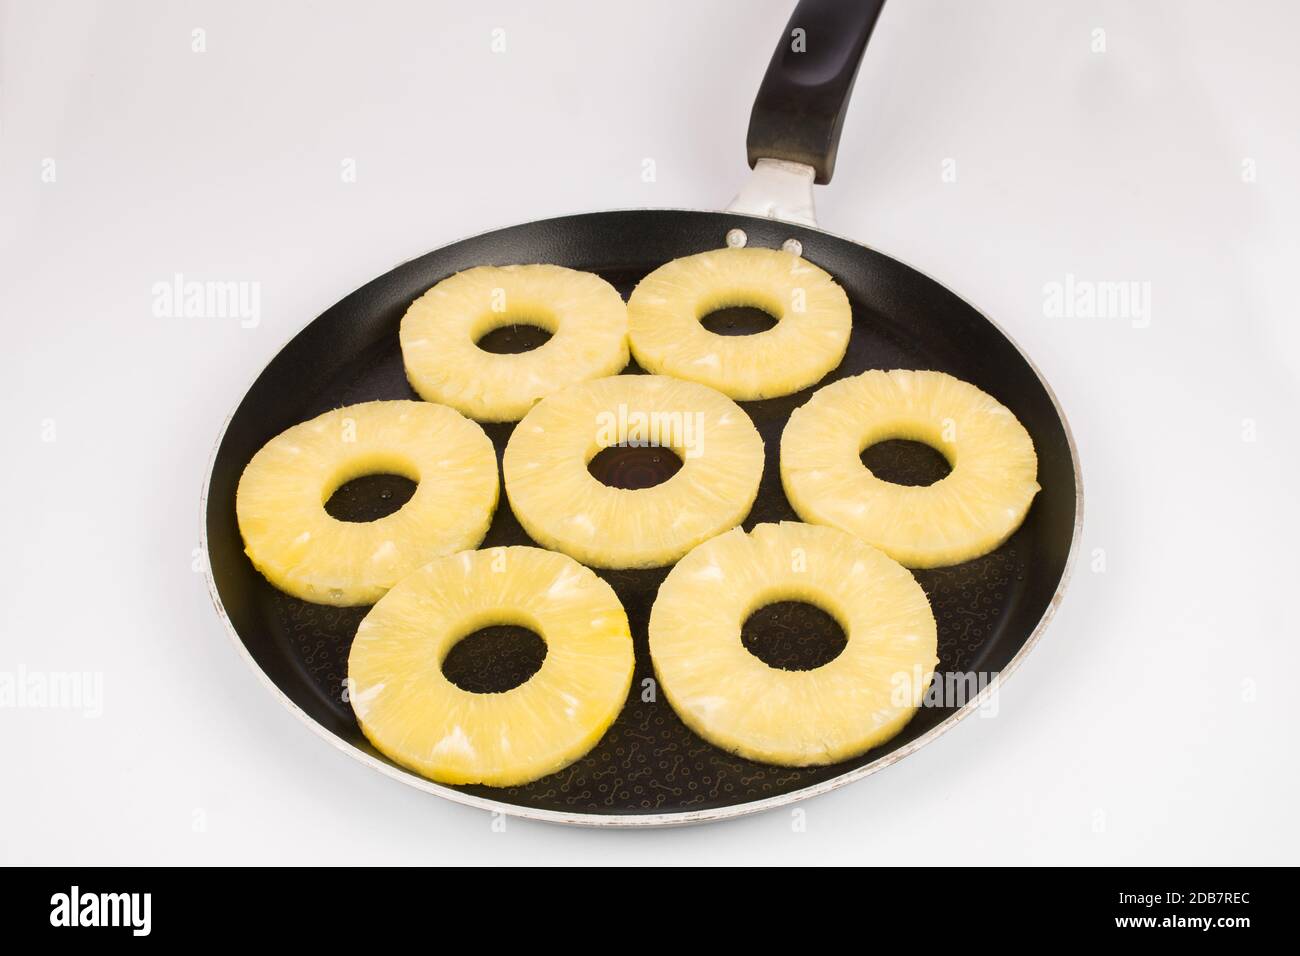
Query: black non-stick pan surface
[(649, 768)]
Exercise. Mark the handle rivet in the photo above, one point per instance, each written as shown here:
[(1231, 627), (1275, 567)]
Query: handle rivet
[(793, 246), (736, 238)]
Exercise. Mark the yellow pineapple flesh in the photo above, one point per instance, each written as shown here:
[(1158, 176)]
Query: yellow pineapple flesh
[(585, 315), (304, 551), (731, 698), (410, 710), (967, 513), (809, 339), (562, 506)]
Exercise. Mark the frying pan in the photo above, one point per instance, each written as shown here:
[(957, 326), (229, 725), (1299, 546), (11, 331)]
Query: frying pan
[(649, 769)]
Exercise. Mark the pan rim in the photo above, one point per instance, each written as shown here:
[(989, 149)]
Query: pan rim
[(681, 817)]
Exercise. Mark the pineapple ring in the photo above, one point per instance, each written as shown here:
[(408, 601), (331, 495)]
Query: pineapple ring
[(967, 513), (732, 699), (562, 506), (410, 711), (584, 314), (808, 340), (306, 552)]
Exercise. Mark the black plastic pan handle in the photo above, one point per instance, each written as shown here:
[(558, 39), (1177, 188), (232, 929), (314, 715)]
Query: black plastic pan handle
[(800, 107)]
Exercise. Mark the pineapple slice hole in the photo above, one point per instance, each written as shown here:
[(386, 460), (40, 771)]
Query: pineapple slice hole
[(742, 297), (902, 461), (634, 466), (514, 331), (370, 497), (514, 338), (793, 635), (738, 320), (495, 659)]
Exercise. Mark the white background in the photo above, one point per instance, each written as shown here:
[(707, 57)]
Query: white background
[(1154, 723)]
